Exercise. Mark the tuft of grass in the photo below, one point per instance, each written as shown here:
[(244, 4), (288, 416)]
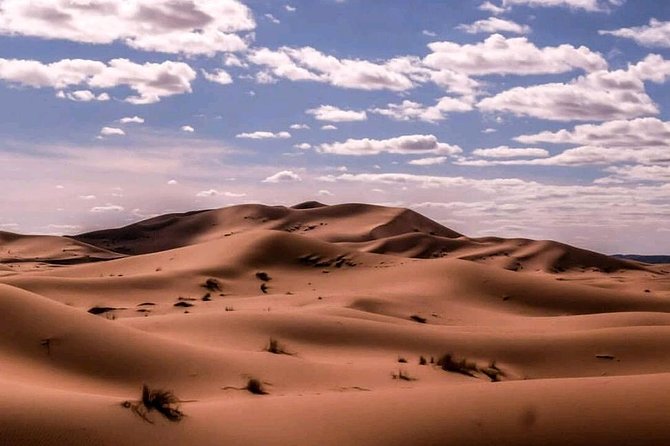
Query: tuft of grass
[(422, 361), (255, 386), (207, 297), (402, 375), (163, 401), (212, 284), (262, 275), (264, 288), (449, 364), (274, 346), (402, 360), (183, 304), (101, 310)]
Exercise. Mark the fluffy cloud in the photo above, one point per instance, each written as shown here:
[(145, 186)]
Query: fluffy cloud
[(334, 114), (299, 127), (636, 173), (494, 25), (107, 208), (490, 7), (303, 146), (500, 55), (328, 127), (83, 96), (283, 177), (218, 76), (413, 111), (182, 26), (404, 145), (431, 161), (111, 131), (309, 64), (187, 129), (131, 119), (510, 152), (586, 5), (656, 34), (151, 81), (598, 96), (264, 135)]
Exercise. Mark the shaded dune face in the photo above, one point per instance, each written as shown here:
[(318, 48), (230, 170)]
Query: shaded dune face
[(316, 324)]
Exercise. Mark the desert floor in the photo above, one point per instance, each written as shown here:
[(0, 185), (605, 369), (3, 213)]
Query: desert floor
[(386, 329)]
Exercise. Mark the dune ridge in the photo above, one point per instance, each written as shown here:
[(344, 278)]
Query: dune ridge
[(345, 315)]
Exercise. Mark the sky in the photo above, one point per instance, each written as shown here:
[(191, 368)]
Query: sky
[(544, 119)]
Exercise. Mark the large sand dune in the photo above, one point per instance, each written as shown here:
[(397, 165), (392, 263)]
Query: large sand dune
[(549, 344)]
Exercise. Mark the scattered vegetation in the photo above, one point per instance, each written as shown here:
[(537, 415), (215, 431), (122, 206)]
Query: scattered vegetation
[(254, 386), (230, 309), (402, 375), (422, 360), (264, 288), (183, 304), (212, 284), (262, 275), (101, 310), (402, 360), (275, 347), (465, 367), (207, 297), (419, 319), (319, 262), (163, 401)]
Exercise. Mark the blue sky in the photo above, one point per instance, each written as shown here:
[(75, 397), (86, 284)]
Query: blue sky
[(537, 118)]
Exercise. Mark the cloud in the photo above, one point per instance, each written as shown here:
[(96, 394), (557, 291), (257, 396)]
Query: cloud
[(290, 8), (303, 146), (404, 145), (151, 81), (112, 131), (272, 19), (87, 197), (428, 33), (494, 25), (586, 5), (428, 161), (309, 64), (490, 7), (328, 127), (283, 177), (656, 34), (636, 173), (510, 152), (83, 96), (325, 193), (218, 76), (598, 96), (413, 111), (172, 182), (500, 55), (264, 135), (299, 127), (187, 129), (132, 119), (216, 193), (107, 208), (334, 114), (193, 27)]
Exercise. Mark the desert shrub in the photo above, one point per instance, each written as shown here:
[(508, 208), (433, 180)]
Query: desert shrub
[(422, 361), (274, 346), (163, 401), (255, 386), (262, 275), (419, 319), (402, 375), (449, 364), (212, 284)]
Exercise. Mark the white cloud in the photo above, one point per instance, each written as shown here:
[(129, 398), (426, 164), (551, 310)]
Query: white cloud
[(112, 131), (656, 34), (282, 177), (428, 161), (303, 146), (272, 18), (328, 127), (187, 26), (299, 127), (597, 96), (187, 129), (107, 208), (131, 120), (87, 197), (172, 182), (510, 152), (489, 130), (325, 193), (428, 33), (218, 76), (500, 55), (411, 111), (494, 25), (334, 114), (586, 5), (83, 96), (309, 64), (151, 81), (264, 135), (216, 193), (290, 8), (231, 60), (636, 173), (490, 7), (407, 144)]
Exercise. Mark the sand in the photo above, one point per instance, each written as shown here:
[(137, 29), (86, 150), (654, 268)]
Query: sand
[(550, 344)]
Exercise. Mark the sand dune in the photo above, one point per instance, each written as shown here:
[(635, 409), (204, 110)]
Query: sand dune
[(548, 344)]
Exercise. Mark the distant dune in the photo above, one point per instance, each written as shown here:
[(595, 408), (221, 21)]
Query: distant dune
[(350, 324)]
